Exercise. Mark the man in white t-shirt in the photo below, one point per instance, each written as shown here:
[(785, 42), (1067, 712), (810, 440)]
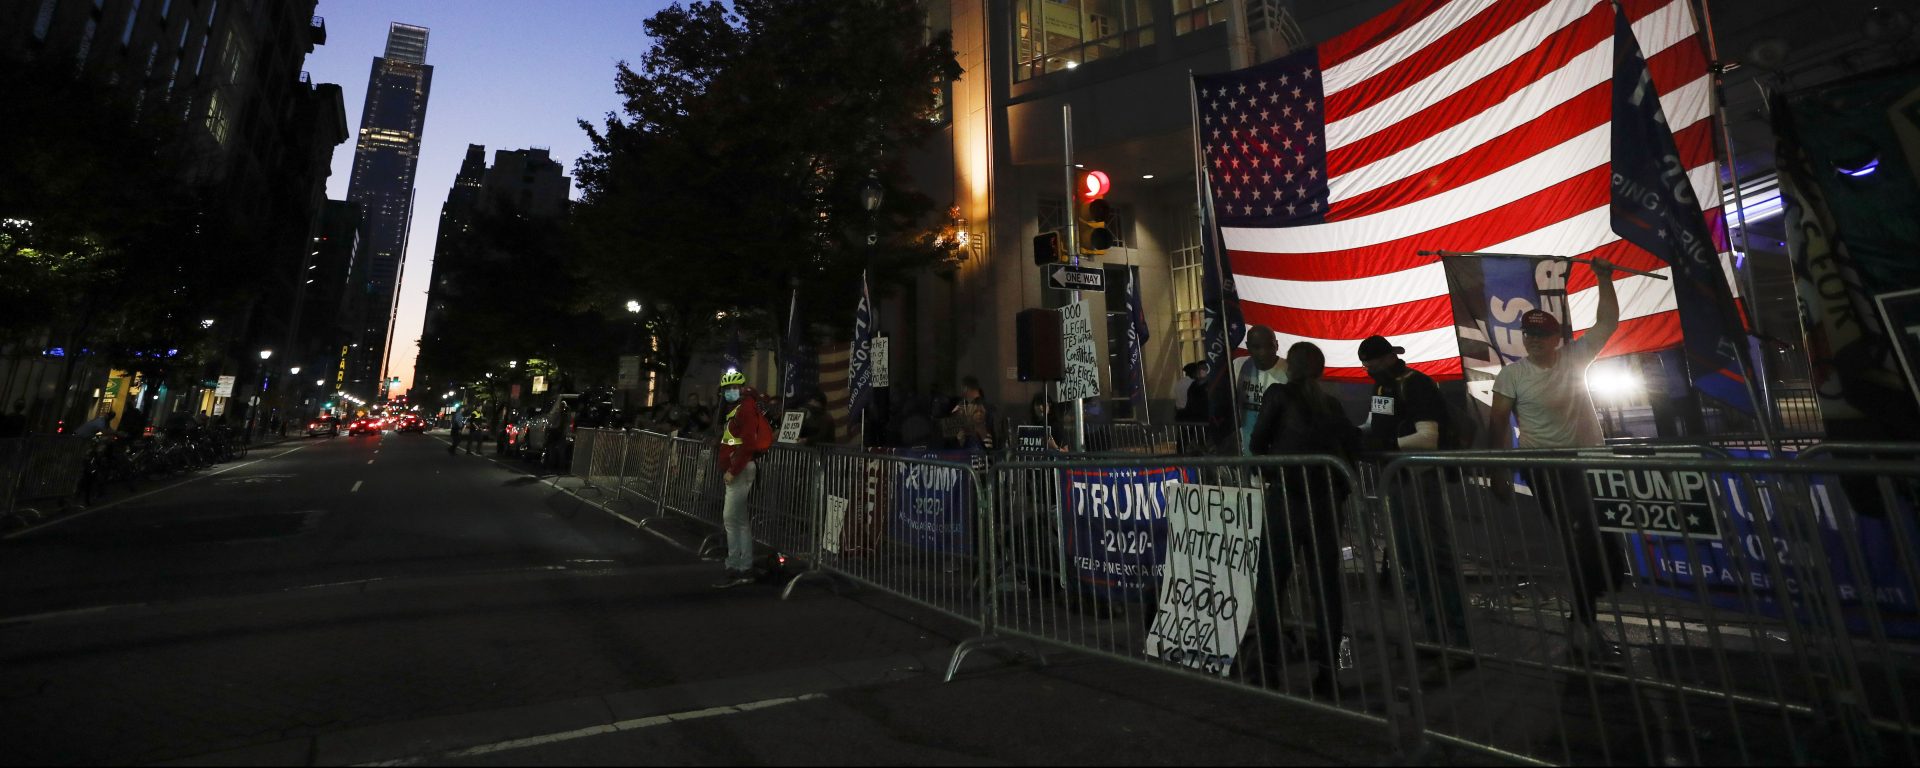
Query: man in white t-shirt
[(1262, 367), (1546, 393)]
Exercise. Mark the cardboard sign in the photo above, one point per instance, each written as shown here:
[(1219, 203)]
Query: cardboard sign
[(1212, 571), (790, 426), (878, 355), (1081, 375), (836, 524)]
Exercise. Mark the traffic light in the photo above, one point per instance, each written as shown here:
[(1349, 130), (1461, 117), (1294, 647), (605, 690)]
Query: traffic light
[(1047, 249), (1092, 212)]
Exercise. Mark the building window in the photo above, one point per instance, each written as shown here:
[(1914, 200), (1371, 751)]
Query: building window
[(1058, 35), (86, 41), (44, 21), (165, 6), (1195, 15), (1189, 312), (126, 32)]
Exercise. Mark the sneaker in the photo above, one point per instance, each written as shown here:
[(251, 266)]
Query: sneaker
[(734, 579)]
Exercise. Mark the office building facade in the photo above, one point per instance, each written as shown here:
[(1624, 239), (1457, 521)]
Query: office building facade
[(385, 158)]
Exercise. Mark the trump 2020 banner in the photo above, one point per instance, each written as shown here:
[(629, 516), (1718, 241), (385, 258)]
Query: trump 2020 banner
[(1114, 528)]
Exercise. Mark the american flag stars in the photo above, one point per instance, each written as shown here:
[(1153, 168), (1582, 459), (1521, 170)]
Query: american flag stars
[(1267, 164)]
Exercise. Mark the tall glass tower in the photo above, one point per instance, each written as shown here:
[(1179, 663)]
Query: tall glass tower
[(382, 183)]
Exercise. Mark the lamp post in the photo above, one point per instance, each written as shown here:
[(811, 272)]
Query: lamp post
[(260, 400)]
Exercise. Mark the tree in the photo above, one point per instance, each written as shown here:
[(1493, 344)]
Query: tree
[(737, 167)]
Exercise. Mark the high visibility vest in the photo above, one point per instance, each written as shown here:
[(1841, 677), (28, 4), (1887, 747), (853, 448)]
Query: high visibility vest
[(726, 434)]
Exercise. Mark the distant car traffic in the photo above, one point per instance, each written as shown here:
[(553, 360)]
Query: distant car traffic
[(365, 426), (325, 425), (412, 423)]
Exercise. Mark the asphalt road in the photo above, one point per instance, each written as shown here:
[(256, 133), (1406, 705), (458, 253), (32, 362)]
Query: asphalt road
[(375, 600)]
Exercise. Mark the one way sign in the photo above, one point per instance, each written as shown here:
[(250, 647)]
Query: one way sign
[(1074, 278)]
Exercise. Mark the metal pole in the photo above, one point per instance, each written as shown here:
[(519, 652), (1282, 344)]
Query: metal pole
[(1073, 250)]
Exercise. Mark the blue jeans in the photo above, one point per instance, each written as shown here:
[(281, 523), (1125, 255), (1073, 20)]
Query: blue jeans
[(738, 519)]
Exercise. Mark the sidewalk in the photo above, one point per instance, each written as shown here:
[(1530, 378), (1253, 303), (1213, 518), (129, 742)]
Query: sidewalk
[(29, 517)]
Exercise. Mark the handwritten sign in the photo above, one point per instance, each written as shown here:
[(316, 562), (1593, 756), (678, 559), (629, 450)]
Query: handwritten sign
[(1212, 571), (877, 350), (1081, 374), (790, 426), (836, 524)]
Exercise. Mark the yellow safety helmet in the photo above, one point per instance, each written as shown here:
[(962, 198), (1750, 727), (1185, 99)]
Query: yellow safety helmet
[(733, 379)]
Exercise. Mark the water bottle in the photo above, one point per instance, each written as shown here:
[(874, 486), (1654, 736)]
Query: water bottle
[(1346, 652)]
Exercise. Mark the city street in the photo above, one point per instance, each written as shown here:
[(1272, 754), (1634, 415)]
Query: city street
[(373, 599)]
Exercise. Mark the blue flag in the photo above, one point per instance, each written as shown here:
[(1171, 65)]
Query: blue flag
[(860, 364), (1136, 344), (1654, 208), (1222, 327), (800, 373)]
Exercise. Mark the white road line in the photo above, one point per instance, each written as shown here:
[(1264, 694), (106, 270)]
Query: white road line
[(356, 486), (369, 461), (600, 730), (138, 496)]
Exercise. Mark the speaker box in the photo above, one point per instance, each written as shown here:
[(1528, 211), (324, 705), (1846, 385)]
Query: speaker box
[(1037, 345)]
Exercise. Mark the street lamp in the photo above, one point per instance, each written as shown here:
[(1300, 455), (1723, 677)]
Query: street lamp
[(634, 307), (266, 354), (294, 370), (872, 194)]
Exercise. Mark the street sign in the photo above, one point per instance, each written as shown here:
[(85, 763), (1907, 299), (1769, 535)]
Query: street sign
[(226, 387), (1074, 278)]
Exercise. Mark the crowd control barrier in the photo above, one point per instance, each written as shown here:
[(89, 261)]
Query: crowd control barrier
[(1656, 604), (38, 471)]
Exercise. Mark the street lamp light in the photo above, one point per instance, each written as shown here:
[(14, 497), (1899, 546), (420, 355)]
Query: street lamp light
[(872, 194), (634, 307), (266, 354), (294, 370)]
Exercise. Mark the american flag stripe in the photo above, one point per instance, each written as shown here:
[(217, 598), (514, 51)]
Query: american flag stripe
[(833, 357), (1443, 124)]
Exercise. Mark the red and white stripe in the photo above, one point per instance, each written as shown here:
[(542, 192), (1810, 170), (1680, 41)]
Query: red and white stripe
[(834, 358), (1473, 125)]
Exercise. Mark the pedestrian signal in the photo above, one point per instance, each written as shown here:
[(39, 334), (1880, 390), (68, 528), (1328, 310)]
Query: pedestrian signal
[(1047, 249)]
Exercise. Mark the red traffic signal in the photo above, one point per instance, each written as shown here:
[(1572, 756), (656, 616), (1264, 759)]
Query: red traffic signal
[(1094, 185)]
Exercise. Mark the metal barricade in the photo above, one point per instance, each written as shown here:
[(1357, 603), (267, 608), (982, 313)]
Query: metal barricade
[(584, 443), (1256, 573), (693, 486), (646, 466), (50, 472), (599, 458), (13, 461), (905, 526), (1661, 609), (786, 502)]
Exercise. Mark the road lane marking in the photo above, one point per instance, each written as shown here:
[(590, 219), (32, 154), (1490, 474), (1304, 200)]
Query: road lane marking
[(137, 496), (356, 486), (635, 724), (369, 461)]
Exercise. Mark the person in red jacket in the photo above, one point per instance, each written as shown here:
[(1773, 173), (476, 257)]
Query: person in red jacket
[(745, 437)]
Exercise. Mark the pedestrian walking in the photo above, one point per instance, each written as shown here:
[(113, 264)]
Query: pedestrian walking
[(1546, 393), (746, 437), (476, 433), (1303, 513), (1408, 413), (453, 434)]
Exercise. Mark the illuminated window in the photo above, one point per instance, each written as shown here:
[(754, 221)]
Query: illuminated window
[(126, 32), (1195, 15), (1057, 35), (1189, 312), (86, 41)]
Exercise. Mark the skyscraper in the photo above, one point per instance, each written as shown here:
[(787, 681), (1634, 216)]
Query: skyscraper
[(383, 167)]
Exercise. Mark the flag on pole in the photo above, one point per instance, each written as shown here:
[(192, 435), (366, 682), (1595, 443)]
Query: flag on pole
[(800, 371), (860, 364), (1650, 211), (1463, 125), (1221, 328), (1137, 336)]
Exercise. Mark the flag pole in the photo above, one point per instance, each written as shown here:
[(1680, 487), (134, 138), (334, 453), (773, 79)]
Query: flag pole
[(1538, 257), (1723, 148), (1073, 251), (1208, 230)]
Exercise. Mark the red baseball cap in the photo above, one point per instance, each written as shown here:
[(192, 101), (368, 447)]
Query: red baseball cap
[(1539, 322)]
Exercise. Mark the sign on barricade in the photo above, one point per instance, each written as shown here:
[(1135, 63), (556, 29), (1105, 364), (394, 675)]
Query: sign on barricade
[(790, 425), (1653, 501), (932, 505), (1115, 523), (1771, 556), (1214, 541)]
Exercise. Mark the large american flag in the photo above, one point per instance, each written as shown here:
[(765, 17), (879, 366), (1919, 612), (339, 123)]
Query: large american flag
[(1461, 125)]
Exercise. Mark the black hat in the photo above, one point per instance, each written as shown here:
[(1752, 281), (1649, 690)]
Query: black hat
[(1378, 346)]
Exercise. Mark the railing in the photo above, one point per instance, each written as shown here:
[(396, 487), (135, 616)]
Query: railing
[(1671, 605)]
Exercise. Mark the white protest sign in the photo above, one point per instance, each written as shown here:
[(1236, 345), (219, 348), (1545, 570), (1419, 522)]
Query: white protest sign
[(877, 354), (1081, 369), (1213, 567), (790, 426), (835, 525)]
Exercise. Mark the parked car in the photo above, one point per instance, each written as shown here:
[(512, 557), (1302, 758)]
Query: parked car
[(325, 425), (549, 435)]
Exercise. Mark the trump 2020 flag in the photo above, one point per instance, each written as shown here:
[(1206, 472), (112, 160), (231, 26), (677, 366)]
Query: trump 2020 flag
[(1222, 330), (1136, 345), (1650, 210), (860, 364), (1460, 125)]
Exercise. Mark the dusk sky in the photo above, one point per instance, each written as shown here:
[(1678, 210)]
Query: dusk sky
[(506, 74)]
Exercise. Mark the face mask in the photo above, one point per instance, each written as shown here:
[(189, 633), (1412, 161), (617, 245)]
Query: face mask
[(732, 395)]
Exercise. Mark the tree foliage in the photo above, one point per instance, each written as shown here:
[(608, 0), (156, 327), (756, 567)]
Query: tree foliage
[(736, 167)]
